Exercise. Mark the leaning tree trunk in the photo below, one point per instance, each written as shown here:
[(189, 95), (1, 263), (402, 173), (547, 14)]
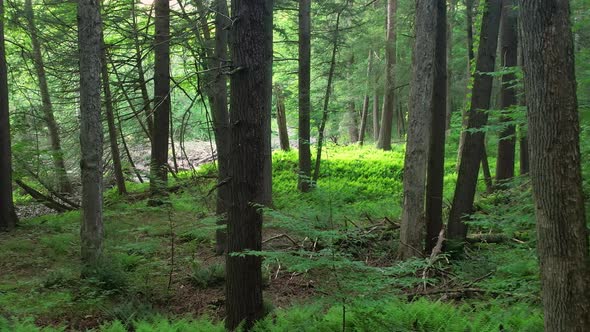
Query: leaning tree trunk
[(251, 103), (474, 145), (304, 180), (282, 119), (554, 129), (436, 162), (47, 106), (145, 97), (91, 134), (420, 118), (384, 140), (161, 126), (7, 213), (509, 60)]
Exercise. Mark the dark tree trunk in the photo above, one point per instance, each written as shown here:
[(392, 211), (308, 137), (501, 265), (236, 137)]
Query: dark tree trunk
[(91, 131), (110, 115), (474, 145), (436, 163), (304, 182), (554, 130), (251, 103), (384, 140), (366, 101), (524, 155), (282, 119), (7, 213), (412, 229), (376, 103), (47, 106), (161, 127), (509, 60)]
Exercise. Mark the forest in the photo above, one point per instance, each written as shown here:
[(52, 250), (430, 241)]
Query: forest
[(295, 165)]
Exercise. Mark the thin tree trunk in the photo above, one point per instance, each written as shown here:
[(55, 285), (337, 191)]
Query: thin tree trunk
[(487, 174), (436, 162), (509, 60), (554, 129), (471, 155), (304, 180), (162, 105), (376, 103), (384, 140), (366, 101), (108, 101), (412, 229), (8, 217), (353, 126), (282, 119), (47, 106), (146, 107), (251, 103), (524, 155), (91, 131)]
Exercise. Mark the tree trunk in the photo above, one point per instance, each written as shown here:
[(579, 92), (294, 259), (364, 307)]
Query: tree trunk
[(509, 60), (8, 217), (146, 107), (47, 106), (353, 126), (419, 127), (384, 140), (366, 101), (471, 155), (251, 103), (282, 119), (304, 181), (91, 131), (554, 129), (524, 155), (108, 101), (161, 127), (436, 163), (376, 103)]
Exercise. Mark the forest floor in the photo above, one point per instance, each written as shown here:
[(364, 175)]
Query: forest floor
[(326, 253)]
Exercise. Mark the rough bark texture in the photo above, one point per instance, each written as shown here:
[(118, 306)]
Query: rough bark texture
[(251, 99), (161, 126), (384, 140), (471, 154), (47, 106), (412, 230), (91, 134), (509, 60), (110, 115), (7, 214), (221, 119), (304, 95), (282, 119), (434, 187), (554, 130)]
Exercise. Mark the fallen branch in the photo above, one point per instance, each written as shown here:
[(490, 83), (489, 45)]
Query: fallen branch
[(43, 199)]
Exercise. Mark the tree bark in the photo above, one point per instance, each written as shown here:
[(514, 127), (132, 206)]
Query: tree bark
[(376, 103), (282, 119), (419, 127), (366, 101), (509, 60), (353, 126), (47, 106), (8, 217), (91, 131), (251, 103), (304, 180), (162, 105), (474, 145), (146, 107), (110, 115), (554, 129), (384, 140), (436, 163)]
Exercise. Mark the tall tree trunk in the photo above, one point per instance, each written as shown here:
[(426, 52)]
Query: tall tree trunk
[(523, 141), (8, 217), (110, 115), (91, 131), (162, 105), (282, 119), (353, 126), (221, 120), (436, 162), (509, 60), (145, 97), (554, 130), (384, 140), (251, 103), (325, 110), (366, 101), (419, 127), (376, 103), (304, 180), (471, 155), (47, 106)]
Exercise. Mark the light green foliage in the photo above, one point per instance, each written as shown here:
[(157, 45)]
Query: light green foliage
[(207, 276)]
